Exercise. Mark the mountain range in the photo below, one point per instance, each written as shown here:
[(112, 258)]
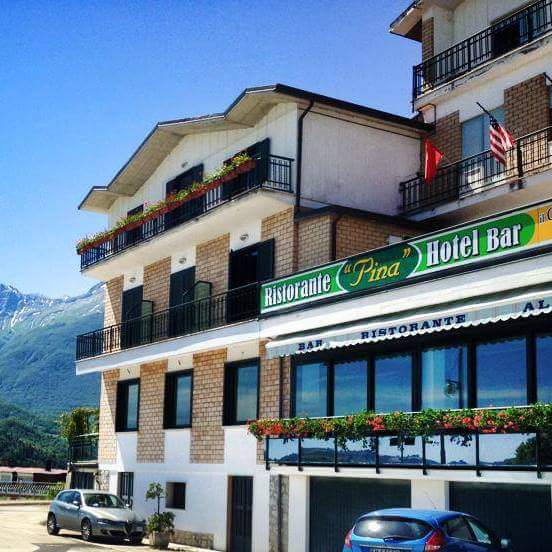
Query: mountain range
[(37, 350)]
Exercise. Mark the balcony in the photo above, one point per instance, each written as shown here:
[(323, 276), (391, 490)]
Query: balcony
[(479, 173), (207, 313), (504, 36), (270, 172), (83, 449)]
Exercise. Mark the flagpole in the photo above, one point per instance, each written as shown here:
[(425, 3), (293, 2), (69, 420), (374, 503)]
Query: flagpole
[(484, 110)]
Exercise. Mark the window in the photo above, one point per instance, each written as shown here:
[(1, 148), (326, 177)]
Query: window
[(482, 535), (126, 487), (475, 132), (393, 383), (176, 496), (544, 368), (501, 373), (350, 393), (457, 528), (178, 399), (311, 389), (444, 377), (128, 395), (241, 392)]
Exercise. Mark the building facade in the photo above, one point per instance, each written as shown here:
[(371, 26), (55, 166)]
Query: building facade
[(318, 276)]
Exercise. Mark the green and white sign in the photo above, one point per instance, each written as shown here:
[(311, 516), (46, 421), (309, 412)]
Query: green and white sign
[(522, 230)]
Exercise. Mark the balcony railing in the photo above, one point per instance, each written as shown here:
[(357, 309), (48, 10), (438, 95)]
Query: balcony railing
[(83, 448), (272, 172), (195, 316), (476, 174), (442, 451), (507, 34)]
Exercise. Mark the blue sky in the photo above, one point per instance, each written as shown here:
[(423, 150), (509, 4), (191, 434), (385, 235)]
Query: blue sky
[(83, 82)]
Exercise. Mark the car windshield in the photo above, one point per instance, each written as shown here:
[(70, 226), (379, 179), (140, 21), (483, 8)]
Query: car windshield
[(101, 500), (391, 528)]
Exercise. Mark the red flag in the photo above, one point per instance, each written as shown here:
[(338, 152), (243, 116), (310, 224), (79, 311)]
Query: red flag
[(432, 159)]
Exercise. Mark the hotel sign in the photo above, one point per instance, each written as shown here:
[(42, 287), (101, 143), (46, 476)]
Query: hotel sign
[(521, 230)]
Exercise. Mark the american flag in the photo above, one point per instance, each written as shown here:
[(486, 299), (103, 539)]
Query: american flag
[(501, 140)]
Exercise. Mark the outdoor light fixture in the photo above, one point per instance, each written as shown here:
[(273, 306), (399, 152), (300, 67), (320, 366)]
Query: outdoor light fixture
[(244, 237), (132, 279), (182, 260)]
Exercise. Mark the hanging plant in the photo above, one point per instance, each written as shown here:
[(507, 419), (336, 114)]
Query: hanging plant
[(427, 422), (239, 164)]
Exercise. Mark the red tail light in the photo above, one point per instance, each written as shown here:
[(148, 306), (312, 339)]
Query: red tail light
[(435, 542), (348, 539)]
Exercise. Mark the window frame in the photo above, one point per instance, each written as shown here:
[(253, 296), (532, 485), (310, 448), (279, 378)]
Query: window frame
[(121, 420), (230, 391), (468, 337), (170, 403), (170, 504)]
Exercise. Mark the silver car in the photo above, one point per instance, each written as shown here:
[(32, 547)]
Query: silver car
[(94, 514)]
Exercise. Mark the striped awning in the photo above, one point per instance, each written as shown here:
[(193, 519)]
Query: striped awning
[(462, 314)]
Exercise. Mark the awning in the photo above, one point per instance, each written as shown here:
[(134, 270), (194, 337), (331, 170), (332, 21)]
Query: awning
[(450, 316)]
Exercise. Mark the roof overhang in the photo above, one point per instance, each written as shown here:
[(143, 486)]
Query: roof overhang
[(246, 110), (409, 22)]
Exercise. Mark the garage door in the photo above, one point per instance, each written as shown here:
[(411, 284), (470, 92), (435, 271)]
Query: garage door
[(519, 512), (335, 503)]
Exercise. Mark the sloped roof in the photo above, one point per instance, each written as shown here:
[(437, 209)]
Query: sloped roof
[(245, 111)]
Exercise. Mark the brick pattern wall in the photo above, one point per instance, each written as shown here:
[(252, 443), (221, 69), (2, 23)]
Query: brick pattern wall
[(207, 446), (447, 138), (526, 106), (113, 301), (314, 241), (269, 390), (428, 42), (212, 262), (356, 235), (107, 445), (150, 447), (156, 283), (281, 227), (196, 540)]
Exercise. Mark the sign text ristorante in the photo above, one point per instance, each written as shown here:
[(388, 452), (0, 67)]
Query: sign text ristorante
[(492, 238)]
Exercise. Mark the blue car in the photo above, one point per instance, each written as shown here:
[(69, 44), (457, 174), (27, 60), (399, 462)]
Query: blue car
[(409, 530)]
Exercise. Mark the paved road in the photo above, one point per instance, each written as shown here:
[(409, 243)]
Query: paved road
[(22, 529)]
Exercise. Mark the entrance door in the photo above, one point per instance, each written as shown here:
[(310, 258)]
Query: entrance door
[(335, 504), (517, 512), (191, 208), (126, 487), (181, 316), (131, 330), (247, 266), (241, 508)]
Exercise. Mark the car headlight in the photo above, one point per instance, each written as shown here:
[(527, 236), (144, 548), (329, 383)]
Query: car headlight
[(103, 521)]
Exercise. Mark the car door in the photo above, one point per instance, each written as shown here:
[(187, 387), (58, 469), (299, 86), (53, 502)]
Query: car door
[(60, 509), (73, 511)]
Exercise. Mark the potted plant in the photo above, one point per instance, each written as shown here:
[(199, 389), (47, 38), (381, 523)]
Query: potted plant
[(160, 525)]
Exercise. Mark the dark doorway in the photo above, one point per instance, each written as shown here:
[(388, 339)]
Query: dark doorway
[(126, 487), (335, 504), (518, 512), (241, 508), (135, 327), (134, 235), (181, 315), (247, 267), (192, 208)]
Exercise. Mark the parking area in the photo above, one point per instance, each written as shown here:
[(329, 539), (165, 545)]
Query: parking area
[(22, 529)]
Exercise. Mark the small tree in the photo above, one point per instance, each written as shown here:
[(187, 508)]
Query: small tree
[(155, 492), (79, 421)]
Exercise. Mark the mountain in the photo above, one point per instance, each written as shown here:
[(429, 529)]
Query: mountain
[(37, 349), (28, 439)]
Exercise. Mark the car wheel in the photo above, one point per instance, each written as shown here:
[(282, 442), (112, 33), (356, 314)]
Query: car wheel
[(86, 530), (51, 525), (135, 541)]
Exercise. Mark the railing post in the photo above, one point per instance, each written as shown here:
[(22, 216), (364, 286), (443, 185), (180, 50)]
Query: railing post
[(519, 159)]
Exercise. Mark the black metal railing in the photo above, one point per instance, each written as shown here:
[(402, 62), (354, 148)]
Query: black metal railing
[(271, 172), (505, 35), (460, 450), (199, 315), (531, 154), (83, 448)]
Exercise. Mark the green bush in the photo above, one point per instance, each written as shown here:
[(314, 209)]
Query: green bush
[(160, 523)]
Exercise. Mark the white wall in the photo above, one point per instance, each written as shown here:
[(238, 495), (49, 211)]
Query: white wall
[(355, 165), (212, 149)]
